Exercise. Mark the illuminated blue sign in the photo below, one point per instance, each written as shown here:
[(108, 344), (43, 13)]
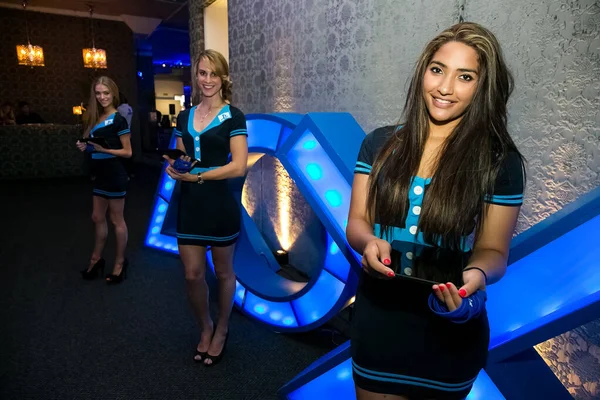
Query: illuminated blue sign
[(318, 152)]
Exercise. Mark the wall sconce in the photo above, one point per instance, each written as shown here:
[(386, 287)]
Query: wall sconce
[(77, 110)]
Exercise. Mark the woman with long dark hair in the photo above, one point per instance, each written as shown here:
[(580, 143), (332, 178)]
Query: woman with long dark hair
[(448, 177), (209, 214), (103, 122)]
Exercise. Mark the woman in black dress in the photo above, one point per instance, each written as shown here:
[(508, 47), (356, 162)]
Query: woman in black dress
[(449, 177), (209, 215), (110, 183)]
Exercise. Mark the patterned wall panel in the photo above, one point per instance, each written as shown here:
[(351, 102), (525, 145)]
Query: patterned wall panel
[(357, 56), (196, 27), (63, 83), (554, 49)]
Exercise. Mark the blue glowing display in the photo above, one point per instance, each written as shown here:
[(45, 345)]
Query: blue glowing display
[(286, 305), (334, 198), (309, 144), (314, 171), (569, 264)]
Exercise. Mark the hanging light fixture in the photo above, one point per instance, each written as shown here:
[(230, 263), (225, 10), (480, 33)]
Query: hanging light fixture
[(27, 54), (93, 57)]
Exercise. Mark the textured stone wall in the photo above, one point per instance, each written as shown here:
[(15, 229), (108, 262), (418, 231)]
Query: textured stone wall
[(357, 56)]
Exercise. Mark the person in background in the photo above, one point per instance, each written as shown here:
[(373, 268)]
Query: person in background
[(126, 112), (7, 114), (26, 116), (110, 183), (125, 109)]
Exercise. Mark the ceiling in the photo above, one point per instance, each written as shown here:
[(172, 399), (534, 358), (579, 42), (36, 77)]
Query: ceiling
[(172, 13)]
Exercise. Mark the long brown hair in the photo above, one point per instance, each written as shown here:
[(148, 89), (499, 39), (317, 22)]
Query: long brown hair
[(221, 69), (94, 109), (469, 160)]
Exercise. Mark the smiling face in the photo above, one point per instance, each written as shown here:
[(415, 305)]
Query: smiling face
[(103, 95), (209, 81), (450, 82)]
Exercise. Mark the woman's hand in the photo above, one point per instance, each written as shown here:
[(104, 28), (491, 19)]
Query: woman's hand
[(98, 148), (169, 159), (185, 177), (376, 258), (81, 146), (452, 296)]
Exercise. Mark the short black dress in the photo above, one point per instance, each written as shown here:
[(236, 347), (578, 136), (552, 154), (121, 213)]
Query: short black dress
[(208, 213), (398, 345), (110, 175)]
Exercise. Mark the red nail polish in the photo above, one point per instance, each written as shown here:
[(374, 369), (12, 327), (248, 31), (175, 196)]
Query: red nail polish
[(462, 292), (442, 288), (387, 261), (390, 274)]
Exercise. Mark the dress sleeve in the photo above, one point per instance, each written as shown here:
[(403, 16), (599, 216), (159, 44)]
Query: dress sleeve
[(366, 155), (238, 124), (121, 125), (510, 183)]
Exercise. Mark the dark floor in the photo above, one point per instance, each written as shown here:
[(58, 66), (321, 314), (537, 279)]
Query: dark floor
[(64, 338)]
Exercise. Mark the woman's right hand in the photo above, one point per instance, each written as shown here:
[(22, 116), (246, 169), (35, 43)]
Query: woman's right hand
[(169, 159), (81, 146), (376, 259)]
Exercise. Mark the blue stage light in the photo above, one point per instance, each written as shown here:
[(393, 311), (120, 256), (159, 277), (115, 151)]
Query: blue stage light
[(334, 198), (291, 138), (314, 171), (309, 144), (275, 315)]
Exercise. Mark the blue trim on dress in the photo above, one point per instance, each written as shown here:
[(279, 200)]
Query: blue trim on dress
[(97, 126), (411, 233), (102, 156), (223, 115), (201, 237), (110, 194), (409, 380)]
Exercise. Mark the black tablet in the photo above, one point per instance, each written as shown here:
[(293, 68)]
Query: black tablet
[(428, 265), (173, 154), (98, 140)]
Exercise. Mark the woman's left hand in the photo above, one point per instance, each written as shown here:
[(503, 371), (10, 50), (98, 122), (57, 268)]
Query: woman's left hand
[(97, 147), (187, 177), (450, 295)]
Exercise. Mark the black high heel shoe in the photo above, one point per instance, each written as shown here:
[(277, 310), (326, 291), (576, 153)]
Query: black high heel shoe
[(112, 279), (203, 354), (216, 359), (92, 273)]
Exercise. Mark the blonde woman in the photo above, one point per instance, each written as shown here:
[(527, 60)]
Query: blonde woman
[(209, 215), (107, 137)]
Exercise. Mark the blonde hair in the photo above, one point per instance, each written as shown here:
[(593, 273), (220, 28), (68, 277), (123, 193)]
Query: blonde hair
[(221, 69), (92, 114)]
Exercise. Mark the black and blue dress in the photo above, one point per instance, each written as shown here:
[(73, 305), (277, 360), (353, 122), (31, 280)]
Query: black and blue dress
[(109, 171), (208, 213), (399, 346)]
